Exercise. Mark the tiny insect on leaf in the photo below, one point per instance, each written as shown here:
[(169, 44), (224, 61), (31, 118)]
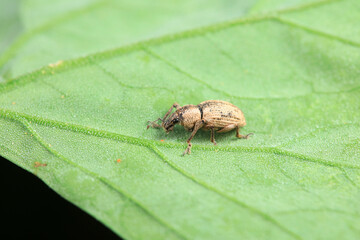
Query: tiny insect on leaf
[(213, 115)]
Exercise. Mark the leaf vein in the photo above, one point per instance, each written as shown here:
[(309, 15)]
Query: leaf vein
[(254, 210), (139, 141), (138, 45), (348, 178), (316, 32), (115, 79)]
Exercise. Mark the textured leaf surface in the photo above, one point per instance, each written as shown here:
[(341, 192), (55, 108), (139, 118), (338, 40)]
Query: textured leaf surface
[(292, 68)]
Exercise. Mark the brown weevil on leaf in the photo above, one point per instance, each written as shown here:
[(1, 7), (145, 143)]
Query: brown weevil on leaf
[(213, 115)]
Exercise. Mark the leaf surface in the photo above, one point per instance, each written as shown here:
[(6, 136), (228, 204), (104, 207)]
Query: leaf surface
[(296, 80)]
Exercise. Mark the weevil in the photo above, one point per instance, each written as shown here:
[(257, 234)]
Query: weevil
[(213, 115)]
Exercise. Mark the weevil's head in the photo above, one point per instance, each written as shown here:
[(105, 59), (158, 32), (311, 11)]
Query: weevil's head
[(170, 122), (186, 116)]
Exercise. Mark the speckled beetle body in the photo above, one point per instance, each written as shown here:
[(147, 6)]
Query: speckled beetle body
[(213, 115)]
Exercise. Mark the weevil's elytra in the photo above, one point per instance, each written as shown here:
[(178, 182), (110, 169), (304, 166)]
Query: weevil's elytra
[(213, 115)]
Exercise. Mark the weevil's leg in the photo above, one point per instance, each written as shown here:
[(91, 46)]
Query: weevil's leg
[(175, 105), (153, 124), (238, 135), (199, 124), (212, 138)]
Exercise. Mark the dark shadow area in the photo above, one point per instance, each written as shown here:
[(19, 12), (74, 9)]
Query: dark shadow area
[(31, 210)]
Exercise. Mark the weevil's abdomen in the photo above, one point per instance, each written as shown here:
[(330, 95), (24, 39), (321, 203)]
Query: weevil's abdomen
[(219, 114)]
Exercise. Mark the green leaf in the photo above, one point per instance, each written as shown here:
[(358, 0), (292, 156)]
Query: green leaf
[(64, 29), (293, 68)]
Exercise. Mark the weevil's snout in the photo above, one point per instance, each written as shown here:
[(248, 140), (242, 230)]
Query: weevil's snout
[(168, 126), (167, 130), (170, 123)]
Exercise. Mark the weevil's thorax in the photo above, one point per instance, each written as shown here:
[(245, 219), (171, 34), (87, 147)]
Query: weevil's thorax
[(188, 116)]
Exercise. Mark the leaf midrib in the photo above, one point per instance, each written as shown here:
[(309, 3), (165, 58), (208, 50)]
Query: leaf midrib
[(5, 113)]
